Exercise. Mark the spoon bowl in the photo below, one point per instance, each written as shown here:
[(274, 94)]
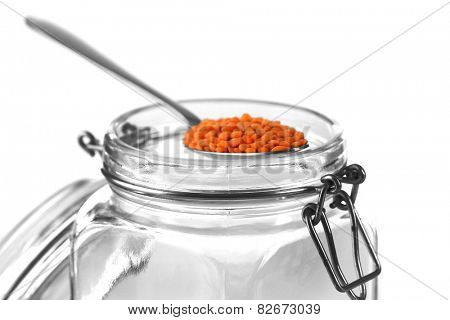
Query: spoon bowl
[(243, 154)]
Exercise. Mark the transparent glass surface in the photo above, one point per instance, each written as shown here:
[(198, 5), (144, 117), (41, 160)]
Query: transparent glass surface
[(178, 224), (167, 250)]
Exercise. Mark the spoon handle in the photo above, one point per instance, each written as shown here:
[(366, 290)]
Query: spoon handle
[(77, 45)]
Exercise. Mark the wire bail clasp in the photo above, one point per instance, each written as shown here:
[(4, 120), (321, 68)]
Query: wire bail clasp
[(130, 134), (89, 143), (313, 213)]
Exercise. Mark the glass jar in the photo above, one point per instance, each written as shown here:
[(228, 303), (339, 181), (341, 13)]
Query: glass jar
[(173, 223)]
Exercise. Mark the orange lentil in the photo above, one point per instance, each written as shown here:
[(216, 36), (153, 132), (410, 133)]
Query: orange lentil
[(242, 147), (244, 134), (257, 143), (236, 134), (298, 136), (235, 142), (228, 128), (246, 117), (203, 143), (222, 144), (249, 139), (266, 137), (291, 140), (210, 134), (224, 136), (299, 143), (279, 148), (220, 149)]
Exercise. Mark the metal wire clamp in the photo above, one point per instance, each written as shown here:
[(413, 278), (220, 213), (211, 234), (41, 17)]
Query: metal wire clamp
[(313, 213), (89, 143)]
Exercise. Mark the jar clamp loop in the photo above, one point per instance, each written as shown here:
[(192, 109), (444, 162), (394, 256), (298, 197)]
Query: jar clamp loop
[(89, 143), (313, 213), (132, 135)]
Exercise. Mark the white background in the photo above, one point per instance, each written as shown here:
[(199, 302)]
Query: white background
[(394, 106)]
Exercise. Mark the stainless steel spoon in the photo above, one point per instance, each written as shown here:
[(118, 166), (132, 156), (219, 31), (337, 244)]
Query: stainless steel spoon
[(77, 45)]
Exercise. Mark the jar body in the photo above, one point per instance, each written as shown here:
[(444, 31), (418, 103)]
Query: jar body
[(168, 249), (178, 224)]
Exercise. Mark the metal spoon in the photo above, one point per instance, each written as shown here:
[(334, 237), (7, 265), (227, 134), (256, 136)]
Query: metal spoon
[(77, 45)]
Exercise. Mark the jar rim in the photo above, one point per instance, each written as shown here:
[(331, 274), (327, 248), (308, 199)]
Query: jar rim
[(328, 156), (114, 127)]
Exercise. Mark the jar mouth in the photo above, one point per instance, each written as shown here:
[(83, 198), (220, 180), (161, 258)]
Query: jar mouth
[(135, 157)]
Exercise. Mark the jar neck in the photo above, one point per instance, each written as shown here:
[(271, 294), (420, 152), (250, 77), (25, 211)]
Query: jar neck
[(214, 216), (238, 216), (272, 182)]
